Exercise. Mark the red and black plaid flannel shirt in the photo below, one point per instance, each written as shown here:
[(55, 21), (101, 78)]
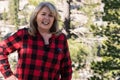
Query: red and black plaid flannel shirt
[(35, 60)]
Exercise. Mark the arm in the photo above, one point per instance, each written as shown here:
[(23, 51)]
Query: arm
[(66, 67), (7, 46)]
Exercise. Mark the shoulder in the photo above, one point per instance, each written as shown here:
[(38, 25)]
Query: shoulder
[(61, 36), (21, 31)]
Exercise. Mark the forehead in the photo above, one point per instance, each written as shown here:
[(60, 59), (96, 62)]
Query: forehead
[(45, 9)]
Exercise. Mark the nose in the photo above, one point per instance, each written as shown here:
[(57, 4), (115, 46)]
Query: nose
[(46, 17)]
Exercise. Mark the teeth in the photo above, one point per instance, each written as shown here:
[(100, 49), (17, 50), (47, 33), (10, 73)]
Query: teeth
[(45, 22)]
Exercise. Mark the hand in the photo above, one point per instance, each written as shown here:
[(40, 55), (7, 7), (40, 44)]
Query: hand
[(12, 77)]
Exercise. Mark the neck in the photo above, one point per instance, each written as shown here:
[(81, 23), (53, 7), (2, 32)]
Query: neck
[(43, 32), (46, 36)]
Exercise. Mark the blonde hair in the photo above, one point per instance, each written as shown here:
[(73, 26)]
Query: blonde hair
[(33, 24)]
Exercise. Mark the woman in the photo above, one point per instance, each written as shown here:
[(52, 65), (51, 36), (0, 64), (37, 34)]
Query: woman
[(43, 53)]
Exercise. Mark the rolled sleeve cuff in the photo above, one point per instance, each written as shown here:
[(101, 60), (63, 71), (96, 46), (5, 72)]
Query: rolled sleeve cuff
[(7, 73)]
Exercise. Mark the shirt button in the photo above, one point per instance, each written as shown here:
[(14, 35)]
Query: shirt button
[(6, 67), (8, 73)]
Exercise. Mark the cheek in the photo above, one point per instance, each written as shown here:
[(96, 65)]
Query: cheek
[(52, 20), (38, 18)]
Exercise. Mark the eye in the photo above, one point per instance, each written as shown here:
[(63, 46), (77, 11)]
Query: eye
[(51, 15), (43, 14)]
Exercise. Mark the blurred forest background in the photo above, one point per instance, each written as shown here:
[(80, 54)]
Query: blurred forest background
[(92, 28)]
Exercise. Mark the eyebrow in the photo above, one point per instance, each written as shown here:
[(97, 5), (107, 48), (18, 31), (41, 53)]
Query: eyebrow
[(46, 12)]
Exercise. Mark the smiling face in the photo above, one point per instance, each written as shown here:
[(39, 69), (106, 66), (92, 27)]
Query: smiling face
[(44, 19)]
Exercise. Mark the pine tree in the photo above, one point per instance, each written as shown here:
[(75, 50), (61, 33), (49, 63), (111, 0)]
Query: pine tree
[(13, 12), (4, 15), (109, 67)]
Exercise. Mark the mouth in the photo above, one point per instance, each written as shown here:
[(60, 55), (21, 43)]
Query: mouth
[(45, 22)]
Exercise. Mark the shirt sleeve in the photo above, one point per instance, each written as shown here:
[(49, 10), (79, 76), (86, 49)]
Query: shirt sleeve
[(7, 46), (66, 63)]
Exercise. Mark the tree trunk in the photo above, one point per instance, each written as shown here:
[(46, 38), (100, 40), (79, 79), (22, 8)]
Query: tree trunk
[(67, 17)]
